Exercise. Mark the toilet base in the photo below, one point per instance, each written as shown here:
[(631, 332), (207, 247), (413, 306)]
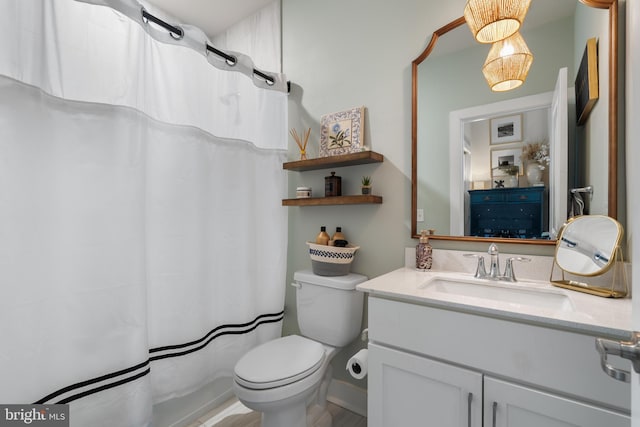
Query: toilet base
[(290, 410), (294, 416)]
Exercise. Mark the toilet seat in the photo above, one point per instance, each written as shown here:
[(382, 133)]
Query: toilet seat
[(279, 362)]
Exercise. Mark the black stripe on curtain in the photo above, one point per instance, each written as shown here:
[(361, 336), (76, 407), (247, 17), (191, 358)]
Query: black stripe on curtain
[(135, 372)]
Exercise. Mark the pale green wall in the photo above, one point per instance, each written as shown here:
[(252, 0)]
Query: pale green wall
[(338, 55), (341, 54)]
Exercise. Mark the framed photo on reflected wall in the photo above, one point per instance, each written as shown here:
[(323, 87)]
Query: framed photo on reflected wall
[(586, 84), (502, 158), (506, 129)]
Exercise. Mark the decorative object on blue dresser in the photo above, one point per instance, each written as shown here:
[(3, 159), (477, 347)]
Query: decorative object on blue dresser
[(509, 212)]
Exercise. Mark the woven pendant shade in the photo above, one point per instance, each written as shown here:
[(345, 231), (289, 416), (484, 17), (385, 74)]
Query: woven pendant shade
[(494, 20), (507, 64)]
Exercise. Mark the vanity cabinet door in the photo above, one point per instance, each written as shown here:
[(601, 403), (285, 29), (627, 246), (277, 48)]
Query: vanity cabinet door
[(409, 390), (510, 405)]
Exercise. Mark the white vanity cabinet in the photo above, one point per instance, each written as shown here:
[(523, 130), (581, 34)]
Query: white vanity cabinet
[(508, 404), (431, 366), (409, 390)]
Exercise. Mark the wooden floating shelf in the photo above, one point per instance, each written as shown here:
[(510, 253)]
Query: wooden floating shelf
[(351, 159), (339, 200)]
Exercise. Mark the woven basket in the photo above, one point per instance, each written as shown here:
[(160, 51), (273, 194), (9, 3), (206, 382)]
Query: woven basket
[(331, 260)]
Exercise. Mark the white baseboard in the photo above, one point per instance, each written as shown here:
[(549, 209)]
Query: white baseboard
[(348, 396)]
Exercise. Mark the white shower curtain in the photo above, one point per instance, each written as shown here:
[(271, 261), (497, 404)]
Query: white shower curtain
[(142, 237)]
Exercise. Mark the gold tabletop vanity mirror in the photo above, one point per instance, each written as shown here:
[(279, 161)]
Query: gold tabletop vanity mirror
[(589, 246), (447, 85)]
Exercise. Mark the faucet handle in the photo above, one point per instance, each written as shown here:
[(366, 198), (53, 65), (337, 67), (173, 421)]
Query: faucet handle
[(493, 249), (481, 272), (509, 274), (494, 266)]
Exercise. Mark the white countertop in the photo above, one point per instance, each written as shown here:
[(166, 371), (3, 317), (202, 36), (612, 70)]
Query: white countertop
[(593, 315)]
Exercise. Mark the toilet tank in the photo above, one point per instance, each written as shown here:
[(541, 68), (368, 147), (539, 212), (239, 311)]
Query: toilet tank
[(329, 308)]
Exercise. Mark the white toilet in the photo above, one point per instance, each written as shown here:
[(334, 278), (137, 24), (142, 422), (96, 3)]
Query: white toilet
[(280, 378)]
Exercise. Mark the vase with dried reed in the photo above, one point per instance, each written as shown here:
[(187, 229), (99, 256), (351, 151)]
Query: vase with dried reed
[(302, 143)]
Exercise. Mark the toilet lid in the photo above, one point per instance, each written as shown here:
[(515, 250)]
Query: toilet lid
[(279, 362)]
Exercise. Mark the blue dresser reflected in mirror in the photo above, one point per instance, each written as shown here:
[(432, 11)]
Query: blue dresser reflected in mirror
[(509, 212)]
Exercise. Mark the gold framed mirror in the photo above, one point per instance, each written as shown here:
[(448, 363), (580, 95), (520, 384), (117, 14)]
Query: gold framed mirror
[(610, 181)]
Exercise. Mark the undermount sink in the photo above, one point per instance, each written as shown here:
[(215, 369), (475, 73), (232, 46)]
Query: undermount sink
[(512, 294)]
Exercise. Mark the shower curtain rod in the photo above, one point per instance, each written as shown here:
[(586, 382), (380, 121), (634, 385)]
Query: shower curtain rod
[(177, 33), (232, 60)]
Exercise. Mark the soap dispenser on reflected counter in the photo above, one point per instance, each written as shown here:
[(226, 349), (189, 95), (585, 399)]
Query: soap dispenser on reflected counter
[(424, 252)]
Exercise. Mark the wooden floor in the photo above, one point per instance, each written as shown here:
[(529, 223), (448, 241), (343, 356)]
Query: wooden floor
[(344, 418), (341, 418)]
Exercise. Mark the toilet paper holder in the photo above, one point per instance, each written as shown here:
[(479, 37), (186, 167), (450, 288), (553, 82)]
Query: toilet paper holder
[(357, 364)]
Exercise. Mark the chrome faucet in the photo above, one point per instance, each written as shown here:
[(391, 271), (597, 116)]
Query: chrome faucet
[(494, 266)]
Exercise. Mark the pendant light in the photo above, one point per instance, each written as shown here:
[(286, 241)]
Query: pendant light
[(507, 64), (494, 20)]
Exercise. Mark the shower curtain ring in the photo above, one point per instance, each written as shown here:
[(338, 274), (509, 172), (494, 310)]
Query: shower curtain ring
[(229, 59), (175, 32)]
